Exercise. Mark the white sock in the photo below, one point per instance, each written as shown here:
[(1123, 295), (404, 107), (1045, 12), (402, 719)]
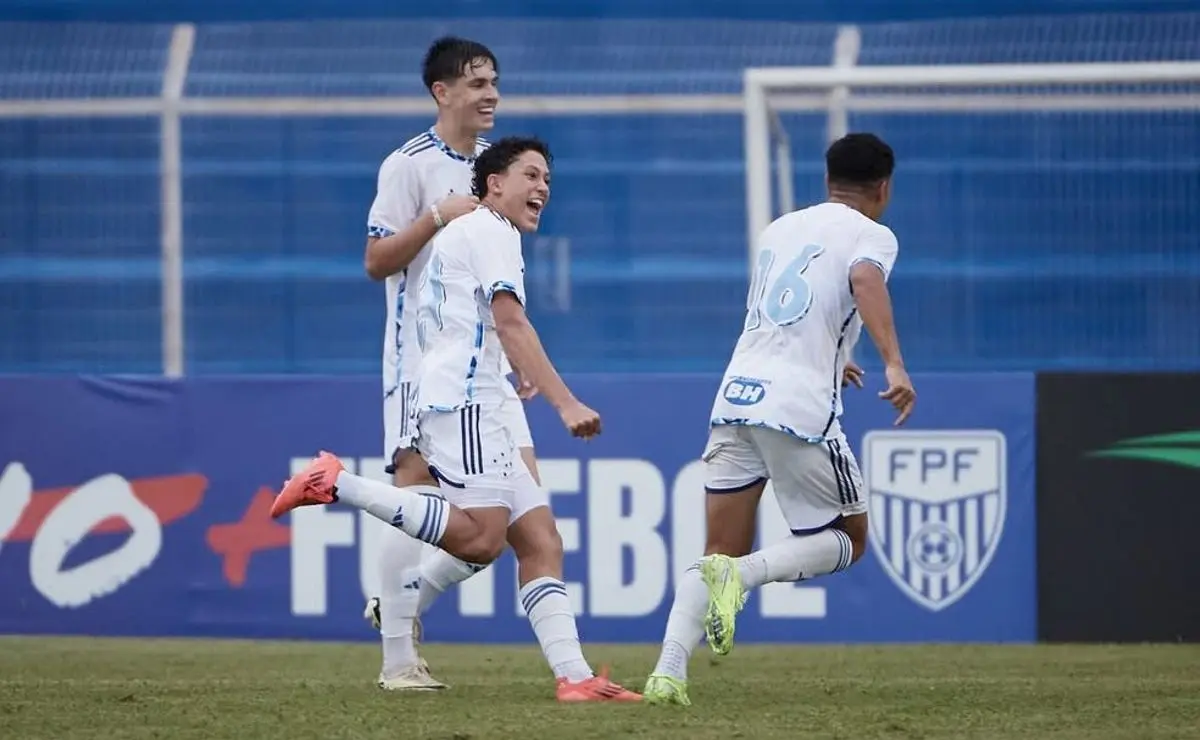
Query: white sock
[(549, 610), (397, 617), (439, 571), (399, 555), (685, 625), (416, 510), (797, 558)]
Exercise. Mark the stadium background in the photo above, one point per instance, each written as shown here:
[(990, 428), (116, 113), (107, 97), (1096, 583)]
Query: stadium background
[(1031, 242)]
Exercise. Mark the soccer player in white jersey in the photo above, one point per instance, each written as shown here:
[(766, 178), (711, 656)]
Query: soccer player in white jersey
[(821, 275), (422, 186), (471, 317)]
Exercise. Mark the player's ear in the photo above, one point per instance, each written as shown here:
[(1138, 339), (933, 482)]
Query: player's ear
[(494, 181), (440, 91)]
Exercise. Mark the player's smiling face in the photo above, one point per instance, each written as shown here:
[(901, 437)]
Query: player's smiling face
[(473, 97), (523, 190)]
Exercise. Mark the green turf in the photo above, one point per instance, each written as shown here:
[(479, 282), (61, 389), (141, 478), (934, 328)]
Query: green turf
[(63, 689)]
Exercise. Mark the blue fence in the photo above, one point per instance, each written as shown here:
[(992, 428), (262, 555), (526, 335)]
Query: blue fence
[(139, 507), (1028, 240)]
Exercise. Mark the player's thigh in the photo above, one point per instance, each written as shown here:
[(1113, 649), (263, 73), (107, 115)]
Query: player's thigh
[(735, 475), (512, 415), (816, 485), (472, 456)]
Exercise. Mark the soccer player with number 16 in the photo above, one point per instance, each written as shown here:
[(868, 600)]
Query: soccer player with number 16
[(821, 275)]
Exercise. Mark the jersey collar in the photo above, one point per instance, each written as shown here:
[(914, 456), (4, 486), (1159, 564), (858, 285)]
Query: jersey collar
[(447, 149)]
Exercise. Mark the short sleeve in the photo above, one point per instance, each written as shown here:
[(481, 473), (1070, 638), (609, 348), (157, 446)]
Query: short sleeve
[(879, 247), (397, 197), (497, 260)]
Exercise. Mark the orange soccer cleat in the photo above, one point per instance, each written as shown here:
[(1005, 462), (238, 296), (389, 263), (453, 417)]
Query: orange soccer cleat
[(596, 688), (316, 484)]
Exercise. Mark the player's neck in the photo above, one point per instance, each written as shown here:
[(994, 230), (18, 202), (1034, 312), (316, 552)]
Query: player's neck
[(494, 207), (851, 200), (458, 138)]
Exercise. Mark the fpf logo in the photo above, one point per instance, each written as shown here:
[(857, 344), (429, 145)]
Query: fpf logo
[(744, 391), (937, 506)]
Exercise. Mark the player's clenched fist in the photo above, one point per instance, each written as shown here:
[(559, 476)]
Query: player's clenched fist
[(581, 420), (453, 206)]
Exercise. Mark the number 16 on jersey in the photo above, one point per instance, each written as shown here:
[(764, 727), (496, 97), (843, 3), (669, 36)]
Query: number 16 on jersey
[(789, 297)]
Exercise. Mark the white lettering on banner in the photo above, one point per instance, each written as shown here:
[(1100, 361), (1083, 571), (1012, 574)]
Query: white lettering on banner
[(16, 491), (784, 600), (626, 507), (776, 600), (687, 518), (101, 498), (314, 529), (371, 531), (611, 533)]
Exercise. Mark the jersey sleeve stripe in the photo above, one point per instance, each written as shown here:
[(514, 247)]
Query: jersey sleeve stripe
[(500, 285), (379, 232), (418, 149), (414, 145), (871, 261)]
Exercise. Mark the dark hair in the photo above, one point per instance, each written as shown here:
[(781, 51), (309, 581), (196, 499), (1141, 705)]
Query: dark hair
[(859, 160), (449, 57), (499, 156)]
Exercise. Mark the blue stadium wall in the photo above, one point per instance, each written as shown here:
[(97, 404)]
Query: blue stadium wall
[(1029, 241)]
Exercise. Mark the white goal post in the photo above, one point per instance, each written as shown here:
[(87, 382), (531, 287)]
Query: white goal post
[(769, 91)]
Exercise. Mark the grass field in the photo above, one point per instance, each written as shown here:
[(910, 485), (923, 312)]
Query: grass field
[(76, 688)]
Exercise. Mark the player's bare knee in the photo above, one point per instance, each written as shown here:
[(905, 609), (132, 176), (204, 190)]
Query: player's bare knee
[(856, 527), (482, 549)]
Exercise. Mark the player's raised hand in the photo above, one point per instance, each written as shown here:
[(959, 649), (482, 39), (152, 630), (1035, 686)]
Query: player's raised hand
[(899, 392), (580, 420), (453, 206), (852, 374)]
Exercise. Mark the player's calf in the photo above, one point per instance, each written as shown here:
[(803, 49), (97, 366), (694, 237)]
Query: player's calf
[(805, 556), (420, 511)]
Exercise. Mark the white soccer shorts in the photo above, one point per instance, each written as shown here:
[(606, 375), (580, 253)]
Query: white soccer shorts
[(814, 483), (476, 459), (400, 420)]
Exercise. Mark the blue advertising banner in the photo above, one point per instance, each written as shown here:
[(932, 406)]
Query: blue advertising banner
[(132, 506)]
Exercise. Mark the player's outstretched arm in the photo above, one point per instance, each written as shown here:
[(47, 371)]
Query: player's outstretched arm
[(875, 307), (528, 356), (389, 255)]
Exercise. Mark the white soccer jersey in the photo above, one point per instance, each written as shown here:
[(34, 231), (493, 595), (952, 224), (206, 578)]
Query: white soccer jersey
[(801, 321), (462, 360), (422, 172)]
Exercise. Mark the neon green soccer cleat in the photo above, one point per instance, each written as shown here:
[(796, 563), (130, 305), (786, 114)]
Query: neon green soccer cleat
[(662, 689), (725, 600)]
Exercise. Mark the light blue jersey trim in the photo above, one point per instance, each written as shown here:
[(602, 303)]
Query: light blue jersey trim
[(379, 232), (872, 261), (718, 421), (500, 286)]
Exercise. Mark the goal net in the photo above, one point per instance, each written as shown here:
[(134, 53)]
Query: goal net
[(1046, 212)]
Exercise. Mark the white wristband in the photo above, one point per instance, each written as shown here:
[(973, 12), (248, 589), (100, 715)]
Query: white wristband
[(437, 216)]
